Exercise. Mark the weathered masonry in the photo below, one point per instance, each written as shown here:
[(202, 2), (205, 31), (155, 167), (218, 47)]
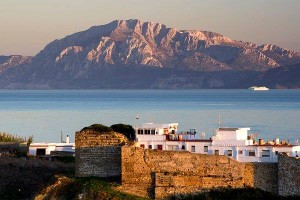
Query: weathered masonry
[(98, 154), (158, 174), (288, 176)]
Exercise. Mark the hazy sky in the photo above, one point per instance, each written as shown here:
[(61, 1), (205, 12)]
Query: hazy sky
[(26, 26)]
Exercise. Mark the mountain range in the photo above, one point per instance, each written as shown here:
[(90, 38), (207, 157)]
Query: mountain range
[(136, 54)]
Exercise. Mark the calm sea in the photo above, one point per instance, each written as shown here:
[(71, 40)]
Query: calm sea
[(46, 113)]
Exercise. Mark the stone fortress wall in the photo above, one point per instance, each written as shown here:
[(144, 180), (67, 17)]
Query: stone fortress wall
[(98, 154), (288, 175), (158, 174)]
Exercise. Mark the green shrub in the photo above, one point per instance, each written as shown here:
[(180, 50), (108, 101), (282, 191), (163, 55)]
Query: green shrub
[(100, 128), (7, 137), (29, 140), (125, 129)]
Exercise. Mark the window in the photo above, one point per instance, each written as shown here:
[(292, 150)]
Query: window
[(217, 152), (205, 148), (229, 152), (142, 145), (149, 146), (276, 153), (40, 152), (240, 151), (183, 147), (173, 147), (193, 149), (251, 153), (159, 147), (153, 132), (140, 132), (265, 153)]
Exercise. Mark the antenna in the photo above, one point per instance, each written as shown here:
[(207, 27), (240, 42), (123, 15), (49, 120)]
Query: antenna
[(61, 137), (136, 120), (136, 125), (219, 122)]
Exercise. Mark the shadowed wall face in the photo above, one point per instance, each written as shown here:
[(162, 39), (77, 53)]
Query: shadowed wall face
[(98, 154), (288, 176)]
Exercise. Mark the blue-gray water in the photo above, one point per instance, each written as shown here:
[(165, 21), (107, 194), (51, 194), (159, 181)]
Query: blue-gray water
[(45, 113)]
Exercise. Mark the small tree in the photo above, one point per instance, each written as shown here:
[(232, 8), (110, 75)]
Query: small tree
[(125, 129), (29, 140)]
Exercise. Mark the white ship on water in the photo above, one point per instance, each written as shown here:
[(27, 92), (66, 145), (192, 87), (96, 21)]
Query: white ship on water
[(263, 88)]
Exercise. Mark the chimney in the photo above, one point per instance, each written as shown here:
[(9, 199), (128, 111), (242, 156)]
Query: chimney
[(261, 142), (67, 139)]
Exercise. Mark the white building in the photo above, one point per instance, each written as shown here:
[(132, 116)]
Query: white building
[(166, 137), (232, 142), (43, 149)]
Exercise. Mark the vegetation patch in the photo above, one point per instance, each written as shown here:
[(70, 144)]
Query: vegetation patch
[(7, 137), (125, 129), (83, 188), (24, 178), (100, 128)]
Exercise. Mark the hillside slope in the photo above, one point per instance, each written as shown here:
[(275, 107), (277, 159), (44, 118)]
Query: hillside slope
[(136, 54)]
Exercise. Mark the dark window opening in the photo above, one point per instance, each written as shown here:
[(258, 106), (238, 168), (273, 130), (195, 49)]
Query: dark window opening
[(193, 149), (229, 152), (251, 153), (140, 132), (265, 153), (217, 152), (40, 152), (205, 148)]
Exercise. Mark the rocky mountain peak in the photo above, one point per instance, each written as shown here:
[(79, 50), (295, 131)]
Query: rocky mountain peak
[(14, 60), (148, 46)]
